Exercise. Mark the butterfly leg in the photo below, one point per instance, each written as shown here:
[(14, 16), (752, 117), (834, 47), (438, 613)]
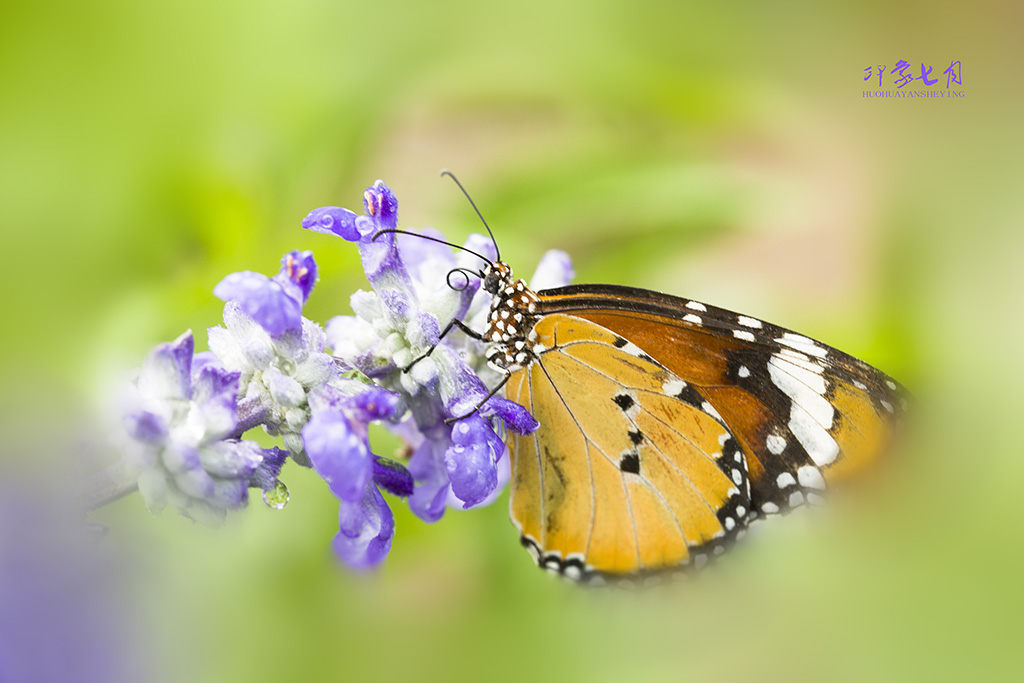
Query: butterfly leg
[(479, 405), (455, 322)]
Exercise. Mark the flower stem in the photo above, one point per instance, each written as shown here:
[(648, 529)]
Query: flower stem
[(106, 486)]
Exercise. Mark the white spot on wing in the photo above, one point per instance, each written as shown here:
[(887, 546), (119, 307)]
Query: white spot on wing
[(818, 443), (769, 508), (810, 414), (696, 306), (775, 443), (710, 410), (749, 322), (632, 349), (743, 334), (744, 371), (810, 380), (691, 318), (673, 387), (785, 479), (802, 343), (800, 360), (810, 477)]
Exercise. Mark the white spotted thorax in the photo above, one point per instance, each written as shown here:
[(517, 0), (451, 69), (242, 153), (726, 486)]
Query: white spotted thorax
[(510, 322)]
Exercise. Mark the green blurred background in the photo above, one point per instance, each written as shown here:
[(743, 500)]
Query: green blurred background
[(724, 153)]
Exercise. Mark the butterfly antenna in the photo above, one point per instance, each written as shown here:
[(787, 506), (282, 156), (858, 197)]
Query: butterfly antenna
[(451, 175), (432, 239)]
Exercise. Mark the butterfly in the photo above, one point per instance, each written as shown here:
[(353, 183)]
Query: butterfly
[(667, 425)]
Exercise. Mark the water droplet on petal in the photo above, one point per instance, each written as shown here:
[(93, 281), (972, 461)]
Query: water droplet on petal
[(276, 497)]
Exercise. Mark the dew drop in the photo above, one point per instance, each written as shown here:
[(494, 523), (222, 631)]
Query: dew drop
[(276, 497)]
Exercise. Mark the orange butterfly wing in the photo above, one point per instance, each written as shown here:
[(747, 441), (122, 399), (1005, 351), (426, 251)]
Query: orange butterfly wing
[(631, 471), (806, 415)]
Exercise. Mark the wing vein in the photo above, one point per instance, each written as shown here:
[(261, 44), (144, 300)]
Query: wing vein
[(590, 464)]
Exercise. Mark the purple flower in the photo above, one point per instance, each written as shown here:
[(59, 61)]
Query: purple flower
[(180, 430), (278, 354), (365, 530), (275, 303), (338, 454), (336, 442), (554, 270), (270, 366), (472, 460), (399, 321)]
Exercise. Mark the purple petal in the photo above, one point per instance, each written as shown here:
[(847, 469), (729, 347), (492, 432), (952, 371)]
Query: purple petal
[(417, 252), (432, 485), (167, 370), (381, 205), (504, 474), (214, 383), (383, 265), (363, 403), (392, 477), (332, 220), (202, 360), (263, 300), (195, 482), (472, 459), (554, 270), (338, 454), (467, 391), (298, 274), (516, 417), (231, 459), (216, 393), (230, 493), (396, 306), (178, 457), (265, 476), (423, 330), (472, 471), (366, 528), (146, 427), (375, 404), (481, 244)]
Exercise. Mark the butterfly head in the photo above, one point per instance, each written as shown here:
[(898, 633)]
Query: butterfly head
[(497, 276)]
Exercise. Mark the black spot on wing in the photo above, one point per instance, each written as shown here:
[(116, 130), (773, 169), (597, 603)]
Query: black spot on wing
[(636, 437), (619, 342), (630, 462), (624, 401)]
